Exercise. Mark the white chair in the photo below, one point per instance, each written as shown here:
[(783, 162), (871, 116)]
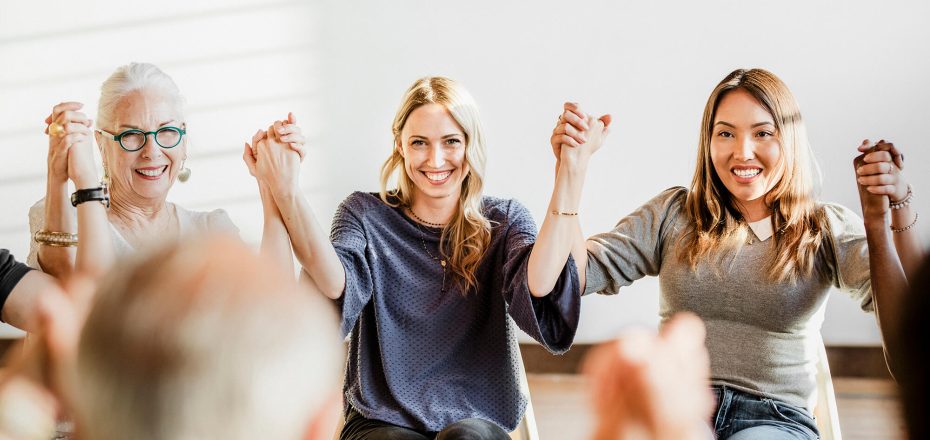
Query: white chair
[(526, 430), (825, 412)]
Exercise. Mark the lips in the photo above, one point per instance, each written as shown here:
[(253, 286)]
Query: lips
[(151, 173), (437, 177), (745, 174)]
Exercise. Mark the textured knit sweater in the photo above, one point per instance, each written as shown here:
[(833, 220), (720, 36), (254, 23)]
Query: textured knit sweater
[(762, 336), (423, 358)]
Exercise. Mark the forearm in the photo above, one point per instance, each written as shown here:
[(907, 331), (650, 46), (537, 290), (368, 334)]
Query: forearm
[(95, 251), (907, 243), (275, 242), (311, 244), (560, 235), (59, 217), (889, 284), (21, 308)]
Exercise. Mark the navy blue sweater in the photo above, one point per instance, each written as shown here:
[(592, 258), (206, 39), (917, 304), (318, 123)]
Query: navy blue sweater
[(421, 358)]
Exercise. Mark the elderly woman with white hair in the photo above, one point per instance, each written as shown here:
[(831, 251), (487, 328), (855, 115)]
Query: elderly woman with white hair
[(141, 132)]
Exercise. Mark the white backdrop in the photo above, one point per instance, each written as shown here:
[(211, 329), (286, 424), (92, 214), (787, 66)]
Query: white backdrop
[(858, 69)]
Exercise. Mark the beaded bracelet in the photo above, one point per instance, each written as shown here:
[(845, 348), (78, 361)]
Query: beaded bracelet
[(903, 202), (556, 212), (916, 216), (56, 239)]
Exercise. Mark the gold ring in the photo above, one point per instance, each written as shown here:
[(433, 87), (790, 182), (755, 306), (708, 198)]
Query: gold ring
[(55, 129)]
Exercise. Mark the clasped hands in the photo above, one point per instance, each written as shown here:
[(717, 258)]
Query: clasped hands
[(275, 154)]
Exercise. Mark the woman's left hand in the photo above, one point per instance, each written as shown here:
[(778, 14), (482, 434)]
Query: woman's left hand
[(290, 133), (878, 172)]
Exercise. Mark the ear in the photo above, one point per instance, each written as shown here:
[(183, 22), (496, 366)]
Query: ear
[(399, 148)]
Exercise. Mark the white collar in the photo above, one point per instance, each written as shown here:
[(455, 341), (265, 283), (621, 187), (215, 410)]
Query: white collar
[(762, 228)]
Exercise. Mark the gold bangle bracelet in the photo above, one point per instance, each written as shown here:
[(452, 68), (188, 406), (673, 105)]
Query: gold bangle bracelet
[(916, 216), (555, 212), (55, 239)]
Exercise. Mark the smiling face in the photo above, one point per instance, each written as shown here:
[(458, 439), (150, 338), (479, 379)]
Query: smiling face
[(433, 146), (150, 172), (746, 151)]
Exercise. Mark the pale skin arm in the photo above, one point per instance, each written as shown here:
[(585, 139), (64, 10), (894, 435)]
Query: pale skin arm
[(59, 214), (889, 281), (278, 168), (275, 242), (574, 140)]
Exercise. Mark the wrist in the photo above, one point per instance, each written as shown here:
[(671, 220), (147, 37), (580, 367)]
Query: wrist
[(85, 183), (876, 223)]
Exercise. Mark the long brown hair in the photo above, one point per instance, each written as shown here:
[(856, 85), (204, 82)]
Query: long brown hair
[(798, 223), (466, 237)]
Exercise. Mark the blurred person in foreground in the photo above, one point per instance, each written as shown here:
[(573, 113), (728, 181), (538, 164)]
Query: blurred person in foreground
[(200, 340)]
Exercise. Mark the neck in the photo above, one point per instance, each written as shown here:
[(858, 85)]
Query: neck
[(438, 211), (128, 210), (754, 210)]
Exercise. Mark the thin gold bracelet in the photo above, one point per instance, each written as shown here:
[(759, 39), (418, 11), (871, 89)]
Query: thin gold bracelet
[(556, 212), (916, 216), (55, 239)]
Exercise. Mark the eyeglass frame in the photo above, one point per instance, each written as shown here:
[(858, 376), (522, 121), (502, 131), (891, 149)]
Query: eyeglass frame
[(145, 136)]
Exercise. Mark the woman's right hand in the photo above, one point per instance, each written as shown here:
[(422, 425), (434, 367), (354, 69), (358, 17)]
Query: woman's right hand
[(578, 135), (273, 161), (70, 145)]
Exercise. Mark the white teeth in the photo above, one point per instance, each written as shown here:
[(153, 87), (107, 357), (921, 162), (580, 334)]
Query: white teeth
[(436, 177), (747, 172), (153, 173)]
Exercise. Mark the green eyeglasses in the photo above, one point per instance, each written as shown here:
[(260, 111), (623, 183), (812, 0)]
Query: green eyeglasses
[(134, 139)]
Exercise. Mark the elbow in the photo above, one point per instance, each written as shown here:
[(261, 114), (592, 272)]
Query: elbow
[(539, 290)]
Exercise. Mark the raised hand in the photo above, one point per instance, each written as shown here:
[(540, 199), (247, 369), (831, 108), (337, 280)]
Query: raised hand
[(581, 133), (70, 145), (291, 134), (880, 170), (272, 160)]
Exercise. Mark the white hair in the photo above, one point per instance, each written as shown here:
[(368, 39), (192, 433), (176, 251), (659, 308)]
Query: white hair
[(205, 340), (130, 78)]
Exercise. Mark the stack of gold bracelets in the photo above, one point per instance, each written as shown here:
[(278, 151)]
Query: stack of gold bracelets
[(56, 239)]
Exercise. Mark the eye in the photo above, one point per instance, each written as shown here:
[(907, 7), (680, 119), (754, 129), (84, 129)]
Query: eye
[(417, 143), (453, 141), (765, 133), (724, 133)]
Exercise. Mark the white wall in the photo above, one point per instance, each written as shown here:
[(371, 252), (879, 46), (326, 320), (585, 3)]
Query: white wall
[(858, 72)]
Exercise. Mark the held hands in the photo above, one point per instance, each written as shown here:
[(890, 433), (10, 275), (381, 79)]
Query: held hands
[(878, 173), (652, 385), (578, 135), (70, 145), (275, 154)]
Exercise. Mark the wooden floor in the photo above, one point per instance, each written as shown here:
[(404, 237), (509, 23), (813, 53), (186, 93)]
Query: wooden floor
[(868, 408)]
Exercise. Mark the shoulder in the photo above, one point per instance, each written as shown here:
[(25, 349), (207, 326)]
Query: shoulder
[(217, 220), (501, 210), (842, 220), (361, 204)]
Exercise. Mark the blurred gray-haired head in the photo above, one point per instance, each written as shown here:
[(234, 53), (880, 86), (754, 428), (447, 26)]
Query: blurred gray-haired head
[(205, 339)]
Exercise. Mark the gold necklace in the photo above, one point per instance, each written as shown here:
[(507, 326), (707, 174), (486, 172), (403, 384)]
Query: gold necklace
[(435, 225), (442, 262)]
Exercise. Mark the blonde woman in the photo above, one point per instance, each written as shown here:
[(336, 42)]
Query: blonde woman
[(427, 275), (750, 250)]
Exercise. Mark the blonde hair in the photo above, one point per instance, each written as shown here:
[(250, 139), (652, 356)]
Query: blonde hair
[(205, 340), (467, 236), (798, 223)]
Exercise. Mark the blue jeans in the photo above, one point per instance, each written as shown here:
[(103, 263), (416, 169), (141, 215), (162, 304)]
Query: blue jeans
[(357, 427), (742, 416)]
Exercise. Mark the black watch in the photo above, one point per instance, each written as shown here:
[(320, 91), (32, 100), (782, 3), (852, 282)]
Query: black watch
[(100, 194)]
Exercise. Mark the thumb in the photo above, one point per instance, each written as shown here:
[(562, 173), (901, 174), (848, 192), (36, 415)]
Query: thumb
[(605, 119)]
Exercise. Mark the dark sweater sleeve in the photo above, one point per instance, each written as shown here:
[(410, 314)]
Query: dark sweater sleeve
[(349, 240), (11, 271), (553, 319)]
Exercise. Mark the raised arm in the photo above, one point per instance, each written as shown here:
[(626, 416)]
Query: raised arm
[(878, 180), (278, 167), (575, 138), (275, 242)]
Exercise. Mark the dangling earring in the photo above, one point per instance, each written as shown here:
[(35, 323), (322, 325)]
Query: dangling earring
[(185, 174), (105, 180)]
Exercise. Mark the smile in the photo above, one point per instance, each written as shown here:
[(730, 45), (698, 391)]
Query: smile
[(747, 173), (437, 177), (152, 173)]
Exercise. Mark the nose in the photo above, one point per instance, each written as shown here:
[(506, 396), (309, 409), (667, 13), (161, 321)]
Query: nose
[(745, 149), (437, 156), (151, 150)]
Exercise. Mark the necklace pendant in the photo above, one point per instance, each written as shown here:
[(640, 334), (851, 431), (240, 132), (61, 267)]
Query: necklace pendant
[(442, 263)]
